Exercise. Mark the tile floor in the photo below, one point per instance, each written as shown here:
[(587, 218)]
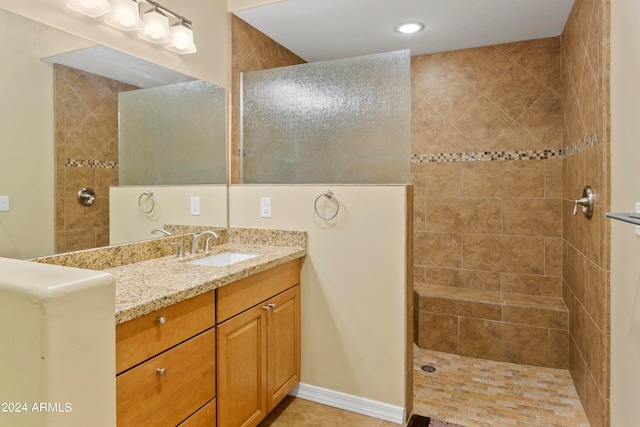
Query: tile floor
[(472, 392)]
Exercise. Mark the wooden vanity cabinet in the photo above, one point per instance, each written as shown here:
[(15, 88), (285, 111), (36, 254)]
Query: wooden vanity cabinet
[(225, 358), (166, 366), (258, 344)]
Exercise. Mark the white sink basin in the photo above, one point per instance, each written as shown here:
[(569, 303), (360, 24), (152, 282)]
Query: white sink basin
[(223, 259)]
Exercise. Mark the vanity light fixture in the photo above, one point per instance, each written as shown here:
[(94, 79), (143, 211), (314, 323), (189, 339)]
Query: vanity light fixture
[(125, 15), (409, 27), (92, 8), (154, 22)]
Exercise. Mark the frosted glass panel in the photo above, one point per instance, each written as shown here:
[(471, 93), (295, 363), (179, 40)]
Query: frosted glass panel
[(344, 121), (173, 134)]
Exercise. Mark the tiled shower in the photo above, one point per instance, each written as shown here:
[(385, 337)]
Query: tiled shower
[(86, 155), (504, 140)]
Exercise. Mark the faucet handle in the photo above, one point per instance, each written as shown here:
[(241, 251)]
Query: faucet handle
[(586, 201), (180, 250)]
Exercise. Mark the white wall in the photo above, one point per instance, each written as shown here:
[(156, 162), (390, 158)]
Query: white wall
[(127, 223), (353, 284), (625, 191), (209, 18), (26, 142)]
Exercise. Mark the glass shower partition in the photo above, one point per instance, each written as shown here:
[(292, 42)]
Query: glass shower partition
[(173, 135), (344, 121)]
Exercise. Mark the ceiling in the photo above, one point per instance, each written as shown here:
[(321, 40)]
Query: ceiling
[(319, 30)]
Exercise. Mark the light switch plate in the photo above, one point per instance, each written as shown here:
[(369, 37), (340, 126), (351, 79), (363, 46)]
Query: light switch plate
[(195, 206), (4, 203), (265, 207)]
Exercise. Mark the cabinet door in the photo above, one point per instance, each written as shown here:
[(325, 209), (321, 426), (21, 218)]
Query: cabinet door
[(283, 351), (242, 369)]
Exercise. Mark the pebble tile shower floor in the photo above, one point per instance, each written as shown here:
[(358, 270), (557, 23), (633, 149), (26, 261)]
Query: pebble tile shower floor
[(462, 390), (479, 393)]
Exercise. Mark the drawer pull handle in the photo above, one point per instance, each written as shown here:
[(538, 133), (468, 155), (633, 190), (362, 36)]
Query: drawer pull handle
[(269, 307), (161, 320), (161, 371)]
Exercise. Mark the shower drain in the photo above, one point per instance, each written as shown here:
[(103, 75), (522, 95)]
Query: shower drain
[(428, 368)]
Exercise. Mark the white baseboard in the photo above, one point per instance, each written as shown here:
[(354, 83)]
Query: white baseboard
[(360, 405)]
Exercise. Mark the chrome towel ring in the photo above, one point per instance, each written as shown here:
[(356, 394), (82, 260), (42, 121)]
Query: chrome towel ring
[(146, 198), (329, 195)]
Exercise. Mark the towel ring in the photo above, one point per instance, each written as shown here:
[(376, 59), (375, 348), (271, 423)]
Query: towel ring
[(149, 195), (329, 195)]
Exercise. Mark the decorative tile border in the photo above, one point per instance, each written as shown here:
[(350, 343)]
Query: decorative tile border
[(486, 156), (78, 163), (580, 145)]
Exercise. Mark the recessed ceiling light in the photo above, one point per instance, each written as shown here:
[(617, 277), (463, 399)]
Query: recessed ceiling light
[(409, 27)]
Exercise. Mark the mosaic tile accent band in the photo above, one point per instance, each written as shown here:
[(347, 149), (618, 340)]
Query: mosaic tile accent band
[(485, 156), (580, 145), (79, 163)]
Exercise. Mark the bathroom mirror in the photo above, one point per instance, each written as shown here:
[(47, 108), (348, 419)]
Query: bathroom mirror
[(58, 136)]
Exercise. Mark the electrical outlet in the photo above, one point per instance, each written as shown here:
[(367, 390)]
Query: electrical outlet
[(265, 207), (4, 203), (195, 206)]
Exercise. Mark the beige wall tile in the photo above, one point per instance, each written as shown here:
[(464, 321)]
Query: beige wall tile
[(480, 280), (543, 120), (534, 316), (526, 345), (595, 282), (438, 305), (438, 332), (574, 271), (532, 217), (542, 60), (558, 349), (437, 179), (480, 310), (512, 254), (438, 249), (468, 215), (503, 179), (532, 285), (481, 339), (419, 213), (553, 256), (419, 274)]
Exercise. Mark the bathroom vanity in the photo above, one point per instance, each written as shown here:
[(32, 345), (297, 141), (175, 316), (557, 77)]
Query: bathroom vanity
[(200, 345)]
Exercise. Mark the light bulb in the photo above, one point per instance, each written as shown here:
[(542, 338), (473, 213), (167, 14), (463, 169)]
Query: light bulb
[(124, 15), (155, 27), (409, 27), (92, 8), (181, 39)]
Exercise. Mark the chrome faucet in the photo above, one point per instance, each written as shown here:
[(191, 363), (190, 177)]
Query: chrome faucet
[(161, 230), (196, 239)]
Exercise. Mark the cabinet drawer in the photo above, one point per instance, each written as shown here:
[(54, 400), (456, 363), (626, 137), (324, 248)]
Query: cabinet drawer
[(139, 339), (205, 417), (244, 294), (144, 397)]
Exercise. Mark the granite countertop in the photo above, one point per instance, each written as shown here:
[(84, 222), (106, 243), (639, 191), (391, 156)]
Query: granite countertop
[(146, 286)]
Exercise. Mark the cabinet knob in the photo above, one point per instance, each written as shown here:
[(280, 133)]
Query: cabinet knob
[(161, 320), (161, 371), (269, 307)]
